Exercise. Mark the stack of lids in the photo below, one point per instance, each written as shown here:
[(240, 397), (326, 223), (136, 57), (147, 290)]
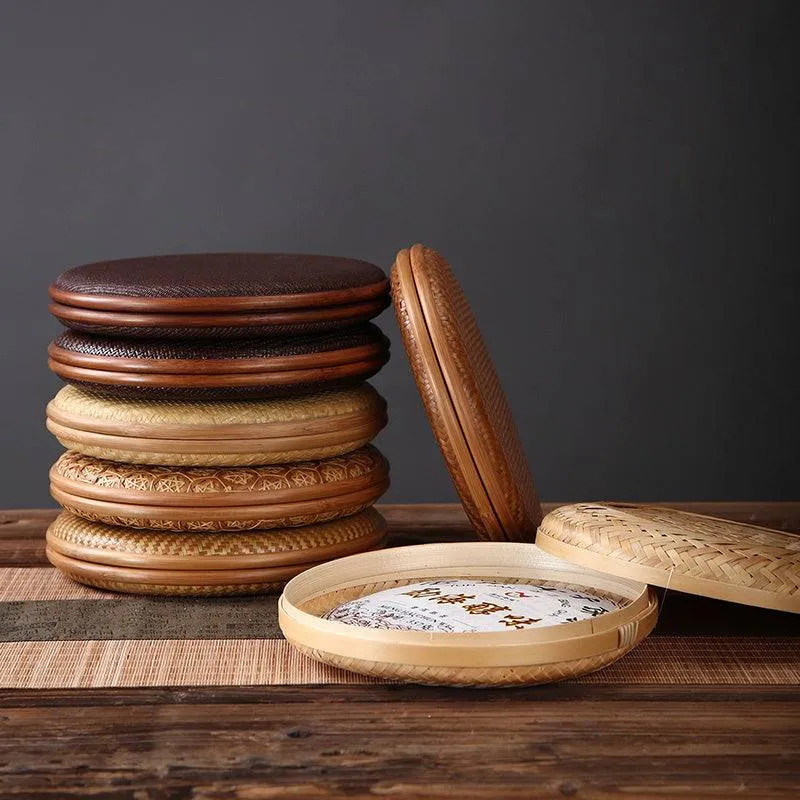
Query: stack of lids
[(508, 611), (216, 419)]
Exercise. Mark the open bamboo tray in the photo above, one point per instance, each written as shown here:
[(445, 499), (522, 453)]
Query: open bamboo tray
[(491, 658)]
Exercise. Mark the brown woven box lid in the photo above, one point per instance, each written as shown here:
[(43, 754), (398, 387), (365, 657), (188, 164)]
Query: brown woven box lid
[(218, 295), (225, 369), (219, 282), (463, 398), (678, 550), (222, 356)]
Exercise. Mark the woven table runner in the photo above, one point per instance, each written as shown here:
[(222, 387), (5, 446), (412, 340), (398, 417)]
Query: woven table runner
[(58, 634)]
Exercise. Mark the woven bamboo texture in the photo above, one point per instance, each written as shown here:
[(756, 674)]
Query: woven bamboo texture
[(508, 658), (468, 676), (218, 433), (296, 322), (463, 397), (169, 590), (217, 282), (215, 486), (688, 552), (218, 499), (94, 412), (163, 583), (89, 541), (209, 459)]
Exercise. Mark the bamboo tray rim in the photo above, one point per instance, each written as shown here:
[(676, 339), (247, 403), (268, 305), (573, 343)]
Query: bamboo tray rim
[(193, 562)]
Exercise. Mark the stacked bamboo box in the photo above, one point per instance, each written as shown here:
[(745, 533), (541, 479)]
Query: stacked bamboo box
[(217, 420)]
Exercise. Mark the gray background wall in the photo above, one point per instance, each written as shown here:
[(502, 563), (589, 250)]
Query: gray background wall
[(615, 184)]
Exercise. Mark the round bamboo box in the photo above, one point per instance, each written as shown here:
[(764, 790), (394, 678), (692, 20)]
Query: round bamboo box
[(219, 369), (217, 433), (463, 398), (219, 498), (215, 295), (507, 657), (153, 562)]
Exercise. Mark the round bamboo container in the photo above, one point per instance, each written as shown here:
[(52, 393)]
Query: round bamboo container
[(463, 398), (152, 562), (497, 658), (219, 498), (220, 433), (218, 295)]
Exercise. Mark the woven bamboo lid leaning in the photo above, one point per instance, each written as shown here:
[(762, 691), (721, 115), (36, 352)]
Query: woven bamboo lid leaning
[(507, 657), (463, 398), (679, 550)]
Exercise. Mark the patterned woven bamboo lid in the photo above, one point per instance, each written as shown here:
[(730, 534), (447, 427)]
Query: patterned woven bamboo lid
[(219, 498), (463, 398), (678, 550), (98, 543)]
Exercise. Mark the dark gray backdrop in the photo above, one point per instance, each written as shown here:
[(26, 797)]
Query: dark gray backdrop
[(615, 184)]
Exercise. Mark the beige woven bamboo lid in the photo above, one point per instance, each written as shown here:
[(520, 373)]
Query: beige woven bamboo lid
[(213, 420), (216, 433), (463, 398), (679, 550)]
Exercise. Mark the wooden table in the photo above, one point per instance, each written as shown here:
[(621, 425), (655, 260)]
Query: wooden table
[(562, 740)]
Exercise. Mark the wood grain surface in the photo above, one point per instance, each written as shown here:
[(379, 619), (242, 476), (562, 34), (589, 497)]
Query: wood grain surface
[(561, 740)]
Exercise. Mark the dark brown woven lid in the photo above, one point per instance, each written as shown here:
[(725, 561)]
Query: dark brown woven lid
[(219, 282), (219, 349), (218, 370), (463, 398)]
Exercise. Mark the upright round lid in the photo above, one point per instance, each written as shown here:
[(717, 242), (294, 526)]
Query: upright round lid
[(675, 549), (463, 398), (206, 282)]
